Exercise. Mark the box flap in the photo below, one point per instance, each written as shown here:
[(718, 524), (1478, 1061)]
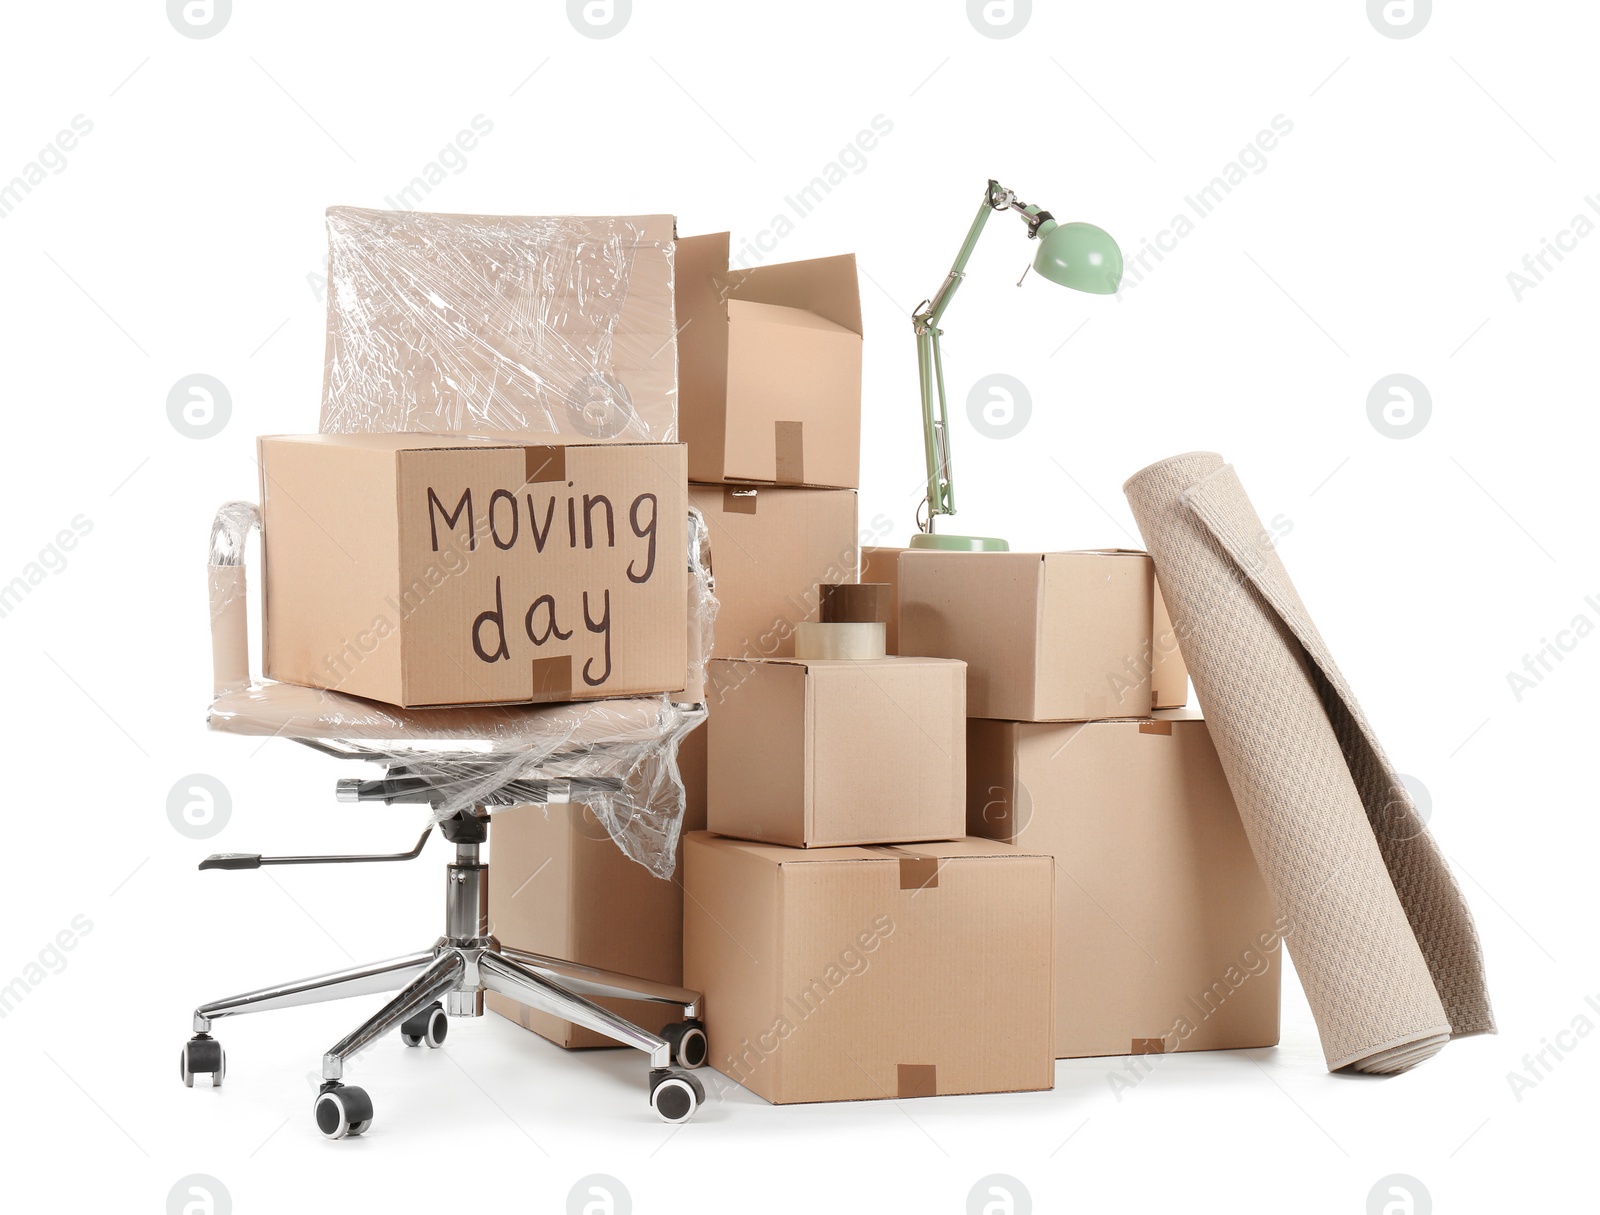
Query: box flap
[(782, 314), (828, 286)]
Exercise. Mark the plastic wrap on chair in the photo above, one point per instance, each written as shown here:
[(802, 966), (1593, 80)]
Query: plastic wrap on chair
[(230, 635), (702, 606), (472, 323), (620, 755), (466, 757)]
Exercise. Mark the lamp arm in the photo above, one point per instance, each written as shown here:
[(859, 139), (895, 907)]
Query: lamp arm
[(930, 360)]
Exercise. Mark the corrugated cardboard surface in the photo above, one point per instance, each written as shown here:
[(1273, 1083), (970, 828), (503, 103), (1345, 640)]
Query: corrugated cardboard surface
[(1046, 636), (771, 547), (883, 565), (770, 367), (848, 974), (1169, 676), (821, 753), (454, 569), (1166, 938), (560, 886)]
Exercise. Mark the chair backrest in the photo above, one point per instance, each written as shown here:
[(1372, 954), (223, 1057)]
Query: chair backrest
[(230, 616)]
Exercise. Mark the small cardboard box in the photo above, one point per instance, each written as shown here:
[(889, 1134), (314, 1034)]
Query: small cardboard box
[(770, 549), (846, 974), (769, 367), (819, 753), (1166, 938), (423, 569), (1169, 675), (883, 565), (560, 886), (1046, 636)]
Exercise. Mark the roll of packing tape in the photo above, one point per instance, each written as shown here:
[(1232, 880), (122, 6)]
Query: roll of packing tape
[(851, 642), (855, 602)]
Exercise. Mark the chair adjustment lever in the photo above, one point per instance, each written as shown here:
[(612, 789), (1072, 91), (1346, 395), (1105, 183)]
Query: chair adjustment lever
[(254, 860)]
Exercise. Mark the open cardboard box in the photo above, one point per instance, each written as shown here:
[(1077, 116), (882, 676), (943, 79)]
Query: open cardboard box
[(769, 367)]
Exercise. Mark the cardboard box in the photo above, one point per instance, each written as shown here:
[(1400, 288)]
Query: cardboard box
[(455, 569), (1046, 636), (769, 367), (883, 565), (1169, 675), (560, 886), (819, 753), (770, 549), (692, 769), (1166, 938), (845, 974), (557, 324)]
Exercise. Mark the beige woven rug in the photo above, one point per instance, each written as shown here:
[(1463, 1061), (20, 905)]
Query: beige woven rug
[(1381, 936)]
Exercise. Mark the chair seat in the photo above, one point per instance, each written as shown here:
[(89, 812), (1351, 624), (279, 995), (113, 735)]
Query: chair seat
[(290, 711)]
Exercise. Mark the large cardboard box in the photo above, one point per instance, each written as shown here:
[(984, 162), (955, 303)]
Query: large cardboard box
[(559, 324), (1046, 636), (1166, 939), (769, 367), (770, 549), (1169, 674), (816, 753), (560, 886), (845, 974), (456, 569), (879, 564)]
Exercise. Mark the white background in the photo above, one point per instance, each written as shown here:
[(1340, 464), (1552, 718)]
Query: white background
[(179, 237)]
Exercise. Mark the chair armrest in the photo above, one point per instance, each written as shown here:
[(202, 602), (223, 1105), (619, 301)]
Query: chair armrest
[(230, 604)]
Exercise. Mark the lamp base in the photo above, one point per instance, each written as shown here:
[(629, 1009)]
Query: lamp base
[(959, 544)]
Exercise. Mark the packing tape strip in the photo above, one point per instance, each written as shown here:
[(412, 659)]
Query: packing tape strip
[(789, 451), (552, 678), (849, 642), (739, 501), (855, 602), (541, 464), (917, 1080)]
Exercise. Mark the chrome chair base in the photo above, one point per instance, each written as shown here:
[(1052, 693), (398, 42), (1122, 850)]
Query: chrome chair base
[(450, 979)]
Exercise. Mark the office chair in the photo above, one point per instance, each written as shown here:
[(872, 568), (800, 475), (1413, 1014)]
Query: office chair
[(616, 756)]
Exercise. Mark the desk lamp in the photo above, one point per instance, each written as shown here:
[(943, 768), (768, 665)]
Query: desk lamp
[(1076, 255)]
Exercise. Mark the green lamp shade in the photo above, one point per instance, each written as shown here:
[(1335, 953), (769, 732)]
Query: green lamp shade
[(1080, 256)]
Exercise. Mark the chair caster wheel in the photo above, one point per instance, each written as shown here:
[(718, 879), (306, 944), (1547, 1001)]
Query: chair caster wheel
[(690, 1048), (342, 1111), (202, 1055), (675, 1095), (427, 1028)]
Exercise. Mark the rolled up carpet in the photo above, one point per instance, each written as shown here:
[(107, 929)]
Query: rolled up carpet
[(1381, 936)]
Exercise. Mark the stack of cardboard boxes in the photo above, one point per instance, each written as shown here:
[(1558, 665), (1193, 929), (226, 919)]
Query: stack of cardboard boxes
[(770, 409), (931, 872), (1078, 747)]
